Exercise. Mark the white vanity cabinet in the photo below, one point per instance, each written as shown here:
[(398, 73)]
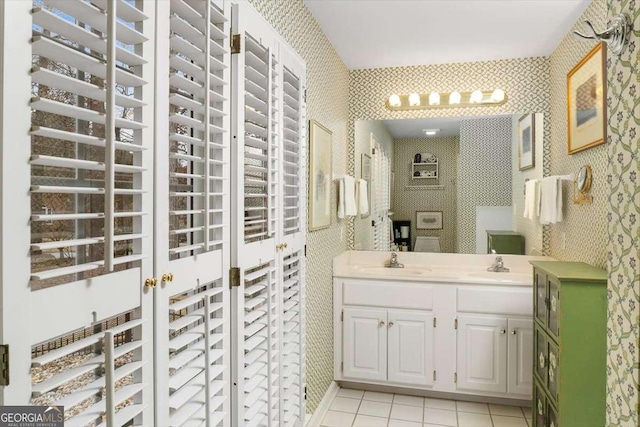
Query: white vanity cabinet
[(458, 338)]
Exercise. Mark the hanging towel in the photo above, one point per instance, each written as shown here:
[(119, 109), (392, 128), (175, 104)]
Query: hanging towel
[(551, 200), (347, 197), (363, 197), (532, 199)]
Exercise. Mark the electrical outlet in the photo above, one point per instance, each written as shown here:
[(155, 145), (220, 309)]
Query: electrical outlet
[(563, 241)]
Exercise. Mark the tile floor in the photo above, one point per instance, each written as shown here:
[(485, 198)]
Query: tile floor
[(357, 408)]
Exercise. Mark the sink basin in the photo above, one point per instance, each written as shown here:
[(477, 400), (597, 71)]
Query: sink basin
[(382, 271)]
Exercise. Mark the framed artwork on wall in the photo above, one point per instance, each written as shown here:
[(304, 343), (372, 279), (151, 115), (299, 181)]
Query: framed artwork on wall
[(586, 97), (430, 220), (320, 159), (526, 142)]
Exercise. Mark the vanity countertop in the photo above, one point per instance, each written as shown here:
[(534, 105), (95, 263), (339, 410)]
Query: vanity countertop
[(436, 267)]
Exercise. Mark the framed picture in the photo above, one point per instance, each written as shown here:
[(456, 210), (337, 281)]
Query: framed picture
[(365, 167), (586, 97), (320, 158), (526, 142), (429, 220)]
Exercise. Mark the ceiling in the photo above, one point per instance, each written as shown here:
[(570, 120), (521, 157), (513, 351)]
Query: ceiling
[(413, 128), (394, 33)]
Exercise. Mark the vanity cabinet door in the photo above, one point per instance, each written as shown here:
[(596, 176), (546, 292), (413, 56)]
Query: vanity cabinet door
[(410, 347), (365, 344), (482, 354), (520, 356), (540, 298), (554, 307)]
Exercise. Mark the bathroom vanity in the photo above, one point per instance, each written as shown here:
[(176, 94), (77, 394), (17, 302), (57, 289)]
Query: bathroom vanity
[(443, 323)]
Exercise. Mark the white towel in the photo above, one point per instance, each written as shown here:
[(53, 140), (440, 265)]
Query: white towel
[(347, 197), (551, 200), (363, 197), (532, 199)]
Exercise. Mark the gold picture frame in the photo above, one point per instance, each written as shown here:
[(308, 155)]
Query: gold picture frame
[(526, 142), (320, 178), (586, 100)]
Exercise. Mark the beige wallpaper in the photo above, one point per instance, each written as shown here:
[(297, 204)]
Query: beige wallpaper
[(584, 226), (484, 172), (364, 129), (525, 81), (327, 103), (407, 201), (531, 230)]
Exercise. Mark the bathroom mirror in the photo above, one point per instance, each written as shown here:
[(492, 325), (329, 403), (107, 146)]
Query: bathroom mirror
[(583, 182), (466, 168)]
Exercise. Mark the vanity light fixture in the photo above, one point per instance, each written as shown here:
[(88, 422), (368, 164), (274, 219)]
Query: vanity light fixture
[(455, 99), (430, 132), (434, 98), (414, 99)]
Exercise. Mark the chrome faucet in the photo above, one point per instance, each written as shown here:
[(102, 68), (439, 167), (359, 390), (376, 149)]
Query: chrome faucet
[(393, 263), (498, 266)]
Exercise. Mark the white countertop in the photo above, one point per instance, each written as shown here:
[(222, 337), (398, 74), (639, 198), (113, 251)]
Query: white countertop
[(435, 267)]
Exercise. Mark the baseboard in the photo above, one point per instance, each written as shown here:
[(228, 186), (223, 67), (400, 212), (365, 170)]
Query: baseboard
[(323, 407)]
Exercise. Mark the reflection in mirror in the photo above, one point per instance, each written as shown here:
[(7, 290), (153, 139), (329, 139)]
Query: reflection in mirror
[(451, 184)]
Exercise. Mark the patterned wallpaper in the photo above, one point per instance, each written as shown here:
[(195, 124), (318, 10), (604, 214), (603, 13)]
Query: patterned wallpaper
[(327, 103), (622, 213), (531, 230), (484, 172), (583, 225), (364, 129), (406, 202), (525, 80)]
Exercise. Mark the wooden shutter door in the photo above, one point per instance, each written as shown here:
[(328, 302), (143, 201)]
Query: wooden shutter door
[(82, 326), (192, 305)]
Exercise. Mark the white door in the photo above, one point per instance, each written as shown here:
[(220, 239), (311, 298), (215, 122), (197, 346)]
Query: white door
[(482, 354), (365, 344), (192, 251), (519, 355), (410, 347), (77, 192)]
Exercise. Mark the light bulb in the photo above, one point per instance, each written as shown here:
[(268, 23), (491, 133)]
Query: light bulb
[(476, 96), (414, 99), (434, 98), (394, 100), (455, 98), (497, 95)]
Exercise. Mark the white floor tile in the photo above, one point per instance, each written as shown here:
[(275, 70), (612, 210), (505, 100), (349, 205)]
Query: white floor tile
[(375, 409), (505, 410), (470, 419), (406, 412), (449, 405), (527, 412), (344, 404), (337, 419), (440, 417), (351, 393), (403, 423), (501, 421), (378, 397), (478, 408), (404, 399), (367, 421)]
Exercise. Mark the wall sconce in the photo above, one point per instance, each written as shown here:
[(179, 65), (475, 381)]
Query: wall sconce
[(423, 101)]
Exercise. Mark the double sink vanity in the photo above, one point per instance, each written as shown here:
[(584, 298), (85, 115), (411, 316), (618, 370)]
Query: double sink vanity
[(437, 323)]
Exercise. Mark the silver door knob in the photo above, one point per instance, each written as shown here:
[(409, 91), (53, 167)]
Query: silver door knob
[(390, 324), (381, 324), (503, 331), (513, 332)]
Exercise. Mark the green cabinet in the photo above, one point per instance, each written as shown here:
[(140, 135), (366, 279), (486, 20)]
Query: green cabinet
[(505, 242), (570, 344)]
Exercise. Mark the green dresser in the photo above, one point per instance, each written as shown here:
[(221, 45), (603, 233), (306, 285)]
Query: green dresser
[(570, 344), (505, 242)]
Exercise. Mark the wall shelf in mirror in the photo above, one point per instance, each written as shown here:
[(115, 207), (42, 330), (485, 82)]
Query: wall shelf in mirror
[(425, 170)]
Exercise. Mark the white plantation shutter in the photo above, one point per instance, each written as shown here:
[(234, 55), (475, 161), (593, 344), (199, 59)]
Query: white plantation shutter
[(192, 304)]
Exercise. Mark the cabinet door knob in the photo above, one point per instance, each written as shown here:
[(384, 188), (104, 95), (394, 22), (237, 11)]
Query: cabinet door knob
[(503, 331), (381, 323), (390, 324), (513, 332), (151, 282)]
